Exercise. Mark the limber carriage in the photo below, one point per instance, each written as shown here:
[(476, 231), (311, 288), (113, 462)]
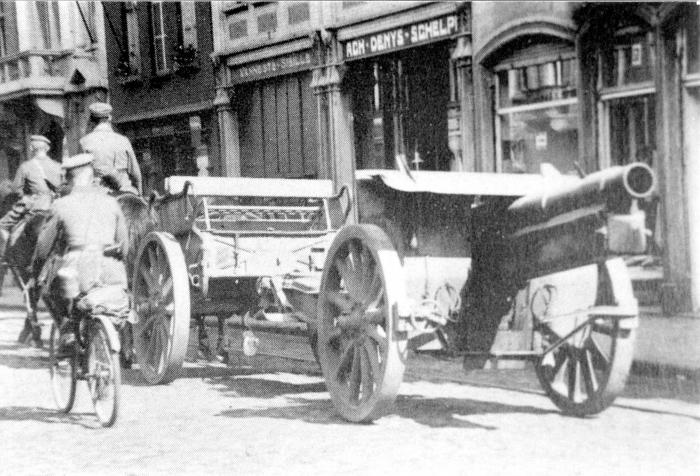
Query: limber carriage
[(496, 267)]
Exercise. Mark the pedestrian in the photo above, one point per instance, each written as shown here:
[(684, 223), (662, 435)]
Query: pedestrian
[(114, 157)]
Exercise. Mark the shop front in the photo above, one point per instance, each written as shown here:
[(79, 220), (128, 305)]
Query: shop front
[(275, 113), (408, 91), (171, 145)]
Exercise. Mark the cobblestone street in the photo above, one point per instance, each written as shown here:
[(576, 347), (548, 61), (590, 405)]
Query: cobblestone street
[(276, 418)]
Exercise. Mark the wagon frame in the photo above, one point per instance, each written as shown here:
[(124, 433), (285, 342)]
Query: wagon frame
[(421, 259)]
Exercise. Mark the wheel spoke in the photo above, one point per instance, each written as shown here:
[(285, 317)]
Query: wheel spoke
[(343, 361), (573, 378), (148, 278), (345, 275), (374, 287), (370, 369), (340, 301), (379, 341), (167, 288), (589, 377), (355, 374), (600, 358), (367, 374)]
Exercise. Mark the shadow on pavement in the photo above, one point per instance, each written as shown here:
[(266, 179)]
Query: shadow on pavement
[(263, 388), (430, 412), (47, 415)]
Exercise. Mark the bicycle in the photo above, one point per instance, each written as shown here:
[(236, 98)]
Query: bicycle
[(94, 357)]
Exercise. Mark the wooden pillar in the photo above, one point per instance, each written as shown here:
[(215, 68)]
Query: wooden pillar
[(229, 146)]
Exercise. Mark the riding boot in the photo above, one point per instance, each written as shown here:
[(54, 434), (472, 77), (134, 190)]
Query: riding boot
[(126, 356)]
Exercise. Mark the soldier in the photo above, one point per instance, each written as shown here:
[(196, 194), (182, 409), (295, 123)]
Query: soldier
[(36, 179), (114, 156), (85, 234)]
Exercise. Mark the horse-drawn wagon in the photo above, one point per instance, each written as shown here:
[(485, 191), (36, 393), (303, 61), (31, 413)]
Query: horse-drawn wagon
[(487, 265)]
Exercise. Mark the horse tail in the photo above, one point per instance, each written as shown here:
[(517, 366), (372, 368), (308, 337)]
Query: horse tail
[(140, 221)]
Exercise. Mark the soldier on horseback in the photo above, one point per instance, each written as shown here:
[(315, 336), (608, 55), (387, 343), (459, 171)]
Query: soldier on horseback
[(115, 161), (37, 180)]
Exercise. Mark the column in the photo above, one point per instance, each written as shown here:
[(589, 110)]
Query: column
[(230, 152), (337, 152), (462, 56)]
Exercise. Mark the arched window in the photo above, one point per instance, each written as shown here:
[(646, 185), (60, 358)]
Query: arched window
[(536, 107)]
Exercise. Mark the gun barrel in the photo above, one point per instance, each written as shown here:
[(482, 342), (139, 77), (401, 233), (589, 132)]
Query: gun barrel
[(614, 187)]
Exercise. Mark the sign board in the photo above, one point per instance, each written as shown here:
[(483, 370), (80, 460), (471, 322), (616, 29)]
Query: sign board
[(398, 38), (271, 67), (541, 141)]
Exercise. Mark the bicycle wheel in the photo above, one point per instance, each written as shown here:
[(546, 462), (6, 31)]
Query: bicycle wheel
[(63, 374), (104, 375)]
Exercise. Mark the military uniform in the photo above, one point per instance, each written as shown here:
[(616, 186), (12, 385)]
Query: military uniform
[(35, 180), (82, 225), (113, 156)]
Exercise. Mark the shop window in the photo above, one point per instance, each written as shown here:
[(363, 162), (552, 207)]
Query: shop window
[(400, 106), (537, 115), (160, 46), (626, 91)]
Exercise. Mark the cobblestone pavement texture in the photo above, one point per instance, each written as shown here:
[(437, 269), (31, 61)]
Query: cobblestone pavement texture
[(276, 418)]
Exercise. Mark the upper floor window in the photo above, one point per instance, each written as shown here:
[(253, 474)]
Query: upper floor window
[(87, 12), (3, 30), (160, 46), (188, 24), (49, 27), (536, 113), (131, 52)]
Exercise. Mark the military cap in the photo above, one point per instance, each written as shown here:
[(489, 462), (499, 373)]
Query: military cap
[(38, 138), (77, 161), (100, 110)]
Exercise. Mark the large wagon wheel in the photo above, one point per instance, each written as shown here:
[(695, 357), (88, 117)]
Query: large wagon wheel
[(585, 374), (162, 302), (361, 346)]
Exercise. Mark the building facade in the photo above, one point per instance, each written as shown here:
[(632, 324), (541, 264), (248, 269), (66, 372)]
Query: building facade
[(52, 66), (314, 89), (161, 82)]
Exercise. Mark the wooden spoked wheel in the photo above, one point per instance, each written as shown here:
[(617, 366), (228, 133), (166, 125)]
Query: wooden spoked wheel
[(162, 303), (361, 346), (62, 369), (585, 374), (103, 376)]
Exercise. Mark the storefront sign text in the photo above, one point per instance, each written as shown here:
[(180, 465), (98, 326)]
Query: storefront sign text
[(410, 35), (271, 67)]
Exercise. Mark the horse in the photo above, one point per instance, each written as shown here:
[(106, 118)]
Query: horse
[(18, 255)]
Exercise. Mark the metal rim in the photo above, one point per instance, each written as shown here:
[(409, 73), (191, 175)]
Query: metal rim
[(63, 374), (162, 302), (104, 377), (361, 348)]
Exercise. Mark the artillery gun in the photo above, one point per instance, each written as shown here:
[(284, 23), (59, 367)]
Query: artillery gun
[(492, 266)]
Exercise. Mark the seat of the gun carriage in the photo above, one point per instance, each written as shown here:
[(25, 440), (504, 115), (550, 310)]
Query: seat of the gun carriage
[(248, 205)]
